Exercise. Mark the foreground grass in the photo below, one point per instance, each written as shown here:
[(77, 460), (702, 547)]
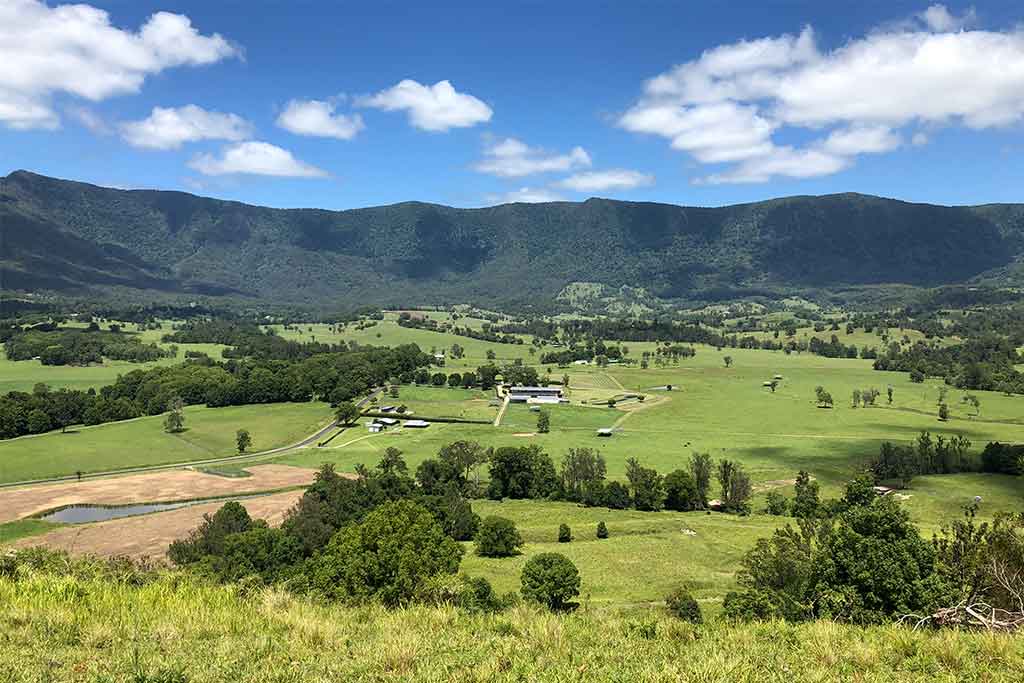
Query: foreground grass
[(210, 433), (66, 628)]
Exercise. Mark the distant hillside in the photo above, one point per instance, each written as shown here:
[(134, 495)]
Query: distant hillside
[(76, 238)]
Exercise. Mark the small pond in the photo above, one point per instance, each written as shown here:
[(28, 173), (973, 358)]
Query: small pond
[(83, 514)]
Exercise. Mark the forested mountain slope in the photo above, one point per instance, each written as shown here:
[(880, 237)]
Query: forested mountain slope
[(73, 237)]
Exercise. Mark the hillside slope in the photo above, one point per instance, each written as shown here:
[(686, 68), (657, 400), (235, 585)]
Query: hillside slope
[(68, 236)]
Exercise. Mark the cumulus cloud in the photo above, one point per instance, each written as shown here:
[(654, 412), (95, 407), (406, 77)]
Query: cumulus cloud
[(170, 128), (600, 181), (511, 158), (317, 118), (255, 158), (526, 195), (74, 49), (728, 105), (437, 107)]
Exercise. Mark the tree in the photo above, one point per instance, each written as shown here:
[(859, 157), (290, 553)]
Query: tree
[(564, 533), (523, 472), (823, 397), (776, 504), (973, 401), (700, 468), (208, 538), (916, 376), (806, 503), (565, 382), (602, 530), (550, 579), (438, 379), (736, 488), (464, 457), (728, 361), (888, 393), (242, 440), (174, 423), (647, 487), (582, 471), (389, 557), (497, 537), (38, 422), (543, 422), (773, 385), (943, 412), (346, 413), (897, 463), (859, 492), (682, 605), (490, 354), (681, 492), (454, 380), (856, 398), (616, 496)]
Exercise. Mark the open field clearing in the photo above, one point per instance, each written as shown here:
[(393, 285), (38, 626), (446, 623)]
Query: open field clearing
[(467, 404), (210, 433), (23, 375), (165, 486), (645, 556), (147, 536)]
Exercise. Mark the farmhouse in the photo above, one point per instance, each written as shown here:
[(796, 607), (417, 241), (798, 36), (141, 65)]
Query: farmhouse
[(535, 394)]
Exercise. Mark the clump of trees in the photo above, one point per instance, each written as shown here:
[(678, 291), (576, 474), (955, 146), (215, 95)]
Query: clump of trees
[(870, 564), (899, 463)]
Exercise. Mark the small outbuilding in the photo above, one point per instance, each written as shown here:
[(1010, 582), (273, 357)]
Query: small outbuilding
[(416, 424), (605, 431)]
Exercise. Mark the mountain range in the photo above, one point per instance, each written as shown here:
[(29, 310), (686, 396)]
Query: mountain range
[(78, 239)]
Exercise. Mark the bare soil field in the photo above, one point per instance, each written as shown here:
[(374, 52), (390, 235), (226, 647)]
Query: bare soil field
[(163, 486), (148, 536)]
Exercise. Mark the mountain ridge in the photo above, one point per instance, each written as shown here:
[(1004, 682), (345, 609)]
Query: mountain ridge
[(62, 236)]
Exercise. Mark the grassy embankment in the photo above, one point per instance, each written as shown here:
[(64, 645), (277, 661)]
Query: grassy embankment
[(66, 628)]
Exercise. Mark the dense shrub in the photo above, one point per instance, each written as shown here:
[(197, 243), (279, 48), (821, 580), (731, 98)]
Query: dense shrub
[(550, 579), (564, 533), (498, 537), (683, 606), (602, 530), (616, 496), (681, 491)]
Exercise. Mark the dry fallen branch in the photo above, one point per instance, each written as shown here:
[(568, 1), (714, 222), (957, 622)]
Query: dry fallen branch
[(969, 615)]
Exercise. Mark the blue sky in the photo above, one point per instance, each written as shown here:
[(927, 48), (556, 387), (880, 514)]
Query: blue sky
[(340, 105)]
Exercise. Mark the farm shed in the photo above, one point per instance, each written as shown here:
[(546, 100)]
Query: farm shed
[(416, 424)]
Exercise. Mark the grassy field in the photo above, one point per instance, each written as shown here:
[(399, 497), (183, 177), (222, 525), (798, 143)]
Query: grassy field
[(63, 627), (24, 528), (645, 556), (210, 433), (728, 413), (23, 375)]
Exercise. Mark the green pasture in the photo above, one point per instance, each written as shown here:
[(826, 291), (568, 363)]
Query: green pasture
[(645, 556), (209, 433)]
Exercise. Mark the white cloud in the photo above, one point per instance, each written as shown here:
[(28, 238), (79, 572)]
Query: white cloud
[(526, 195), (317, 118), (511, 158), (89, 119), (74, 49), (613, 179), (919, 139), (437, 107), (730, 103), (938, 18), (861, 140), (255, 158), (169, 128)]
